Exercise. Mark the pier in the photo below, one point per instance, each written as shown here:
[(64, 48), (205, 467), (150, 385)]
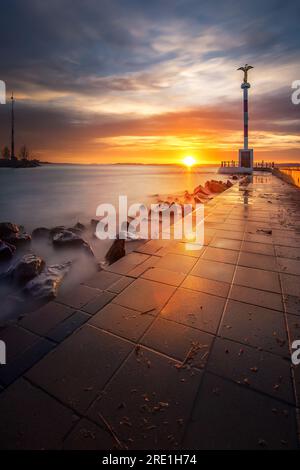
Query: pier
[(169, 348)]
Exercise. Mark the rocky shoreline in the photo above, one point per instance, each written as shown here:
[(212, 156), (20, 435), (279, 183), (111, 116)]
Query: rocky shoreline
[(30, 281)]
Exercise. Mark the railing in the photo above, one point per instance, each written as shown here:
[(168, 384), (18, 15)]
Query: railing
[(229, 164), (258, 165)]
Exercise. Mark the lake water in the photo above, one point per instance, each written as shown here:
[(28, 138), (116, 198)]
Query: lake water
[(65, 194)]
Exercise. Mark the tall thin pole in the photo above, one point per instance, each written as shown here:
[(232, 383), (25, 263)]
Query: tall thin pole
[(12, 153), (245, 118)]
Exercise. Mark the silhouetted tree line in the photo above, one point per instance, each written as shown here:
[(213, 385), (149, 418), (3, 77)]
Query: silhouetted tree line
[(22, 155)]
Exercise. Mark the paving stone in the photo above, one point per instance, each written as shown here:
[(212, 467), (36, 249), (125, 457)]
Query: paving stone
[(257, 279), (252, 237), (290, 284), (103, 280), (206, 285), (155, 403), (291, 242), (260, 248), (232, 235), (256, 297), (188, 345), (17, 340), (44, 319), (120, 285), (226, 243), (292, 304), (179, 263), (221, 255), (172, 278), (98, 302), (122, 321), (152, 247), (145, 296), (256, 326), (141, 268), (290, 266), (260, 370), (67, 327), (88, 436), (287, 252), (223, 409), (78, 368), (79, 297), (31, 419), (195, 309), (14, 369), (126, 264), (186, 249), (254, 260), (213, 270), (293, 327)]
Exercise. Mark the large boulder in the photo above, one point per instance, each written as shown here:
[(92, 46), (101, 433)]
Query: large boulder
[(7, 229), (69, 239), (13, 234), (25, 269), (45, 286), (6, 251), (116, 251), (19, 239)]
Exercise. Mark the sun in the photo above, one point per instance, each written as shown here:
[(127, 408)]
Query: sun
[(189, 161)]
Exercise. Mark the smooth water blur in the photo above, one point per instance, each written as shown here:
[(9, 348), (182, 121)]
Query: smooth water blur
[(65, 194)]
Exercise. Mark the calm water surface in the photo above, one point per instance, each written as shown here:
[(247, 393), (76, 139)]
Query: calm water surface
[(65, 194)]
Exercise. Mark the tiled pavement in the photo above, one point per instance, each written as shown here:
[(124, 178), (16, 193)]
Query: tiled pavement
[(170, 348)]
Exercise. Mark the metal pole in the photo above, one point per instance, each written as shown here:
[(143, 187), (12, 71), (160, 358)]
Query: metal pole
[(12, 153), (245, 118)]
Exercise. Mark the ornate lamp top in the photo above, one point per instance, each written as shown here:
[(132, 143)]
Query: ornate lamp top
[(245, 69)]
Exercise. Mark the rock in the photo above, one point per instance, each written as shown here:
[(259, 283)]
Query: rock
[(41, 232), (116, 251), (56, 230), (68, 239), (200, 191), (216, 186), (79, 226), (94, 223), (18, 239), (7, 229), (45, 286), (13, 234), (6, 251), (28, 267)]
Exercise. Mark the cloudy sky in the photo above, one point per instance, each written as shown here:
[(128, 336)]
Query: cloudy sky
[(150, 81)]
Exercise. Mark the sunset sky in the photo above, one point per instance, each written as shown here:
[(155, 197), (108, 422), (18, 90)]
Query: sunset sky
[(104, 81)]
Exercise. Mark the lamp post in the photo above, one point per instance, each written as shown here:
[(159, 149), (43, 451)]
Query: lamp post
[(12, 152), (246, 154)]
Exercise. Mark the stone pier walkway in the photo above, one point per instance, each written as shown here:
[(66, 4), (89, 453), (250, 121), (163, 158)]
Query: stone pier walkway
[(170, 348)]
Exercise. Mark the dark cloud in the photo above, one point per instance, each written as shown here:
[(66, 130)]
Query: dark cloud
[(97, 47)]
